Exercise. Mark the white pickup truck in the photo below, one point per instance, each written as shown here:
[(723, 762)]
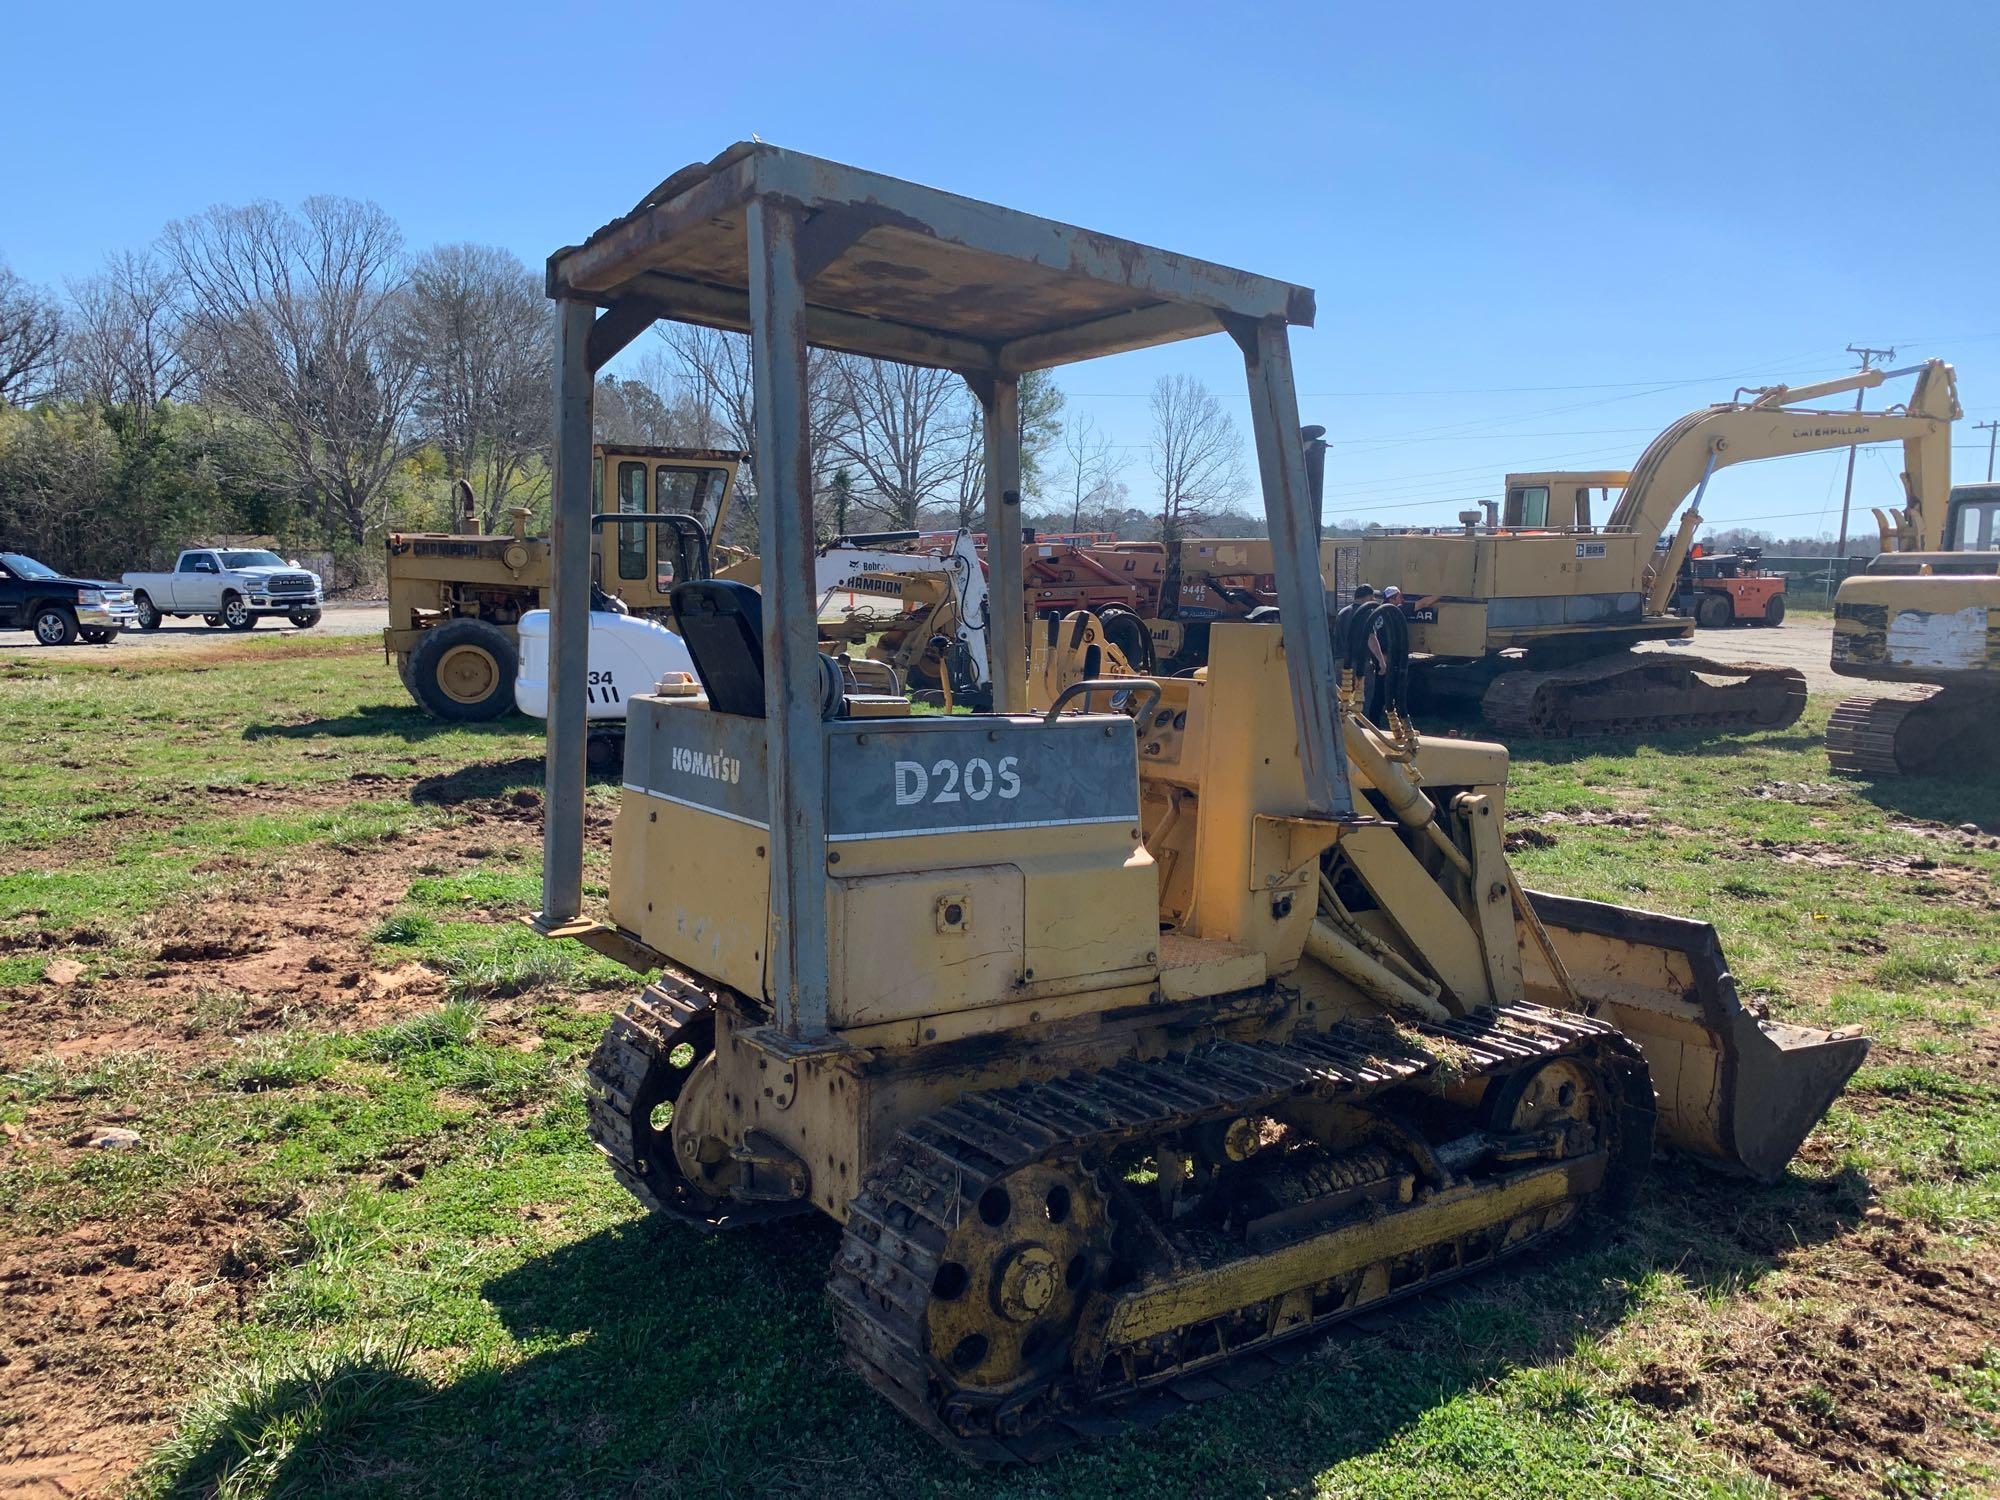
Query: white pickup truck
[(230, 586)]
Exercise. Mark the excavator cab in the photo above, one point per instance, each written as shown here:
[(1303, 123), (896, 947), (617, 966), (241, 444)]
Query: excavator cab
[(1131, 1037), (1972, 519), (1562, 500)]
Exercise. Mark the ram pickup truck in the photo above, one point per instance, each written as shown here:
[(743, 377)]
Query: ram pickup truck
[(34, 596), (230, 586)]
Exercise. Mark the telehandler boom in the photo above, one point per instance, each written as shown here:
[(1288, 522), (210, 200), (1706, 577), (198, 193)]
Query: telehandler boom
[(1133, 1040)]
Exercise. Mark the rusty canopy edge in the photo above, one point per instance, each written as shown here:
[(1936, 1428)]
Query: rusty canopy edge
[(1124, 295)]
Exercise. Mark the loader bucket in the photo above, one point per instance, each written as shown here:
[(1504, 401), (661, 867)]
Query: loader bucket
[(1735, 1090)]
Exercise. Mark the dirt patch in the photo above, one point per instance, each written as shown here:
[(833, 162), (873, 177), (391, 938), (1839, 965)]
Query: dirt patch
[(99, 1323), (1542, 831), (1958, 835), (1856, 1374), (1927, 878), (1805, 793), (287, 944)]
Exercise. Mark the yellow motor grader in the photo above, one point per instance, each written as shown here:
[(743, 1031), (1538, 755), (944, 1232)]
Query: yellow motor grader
[(1131, 1039), (456, 598)]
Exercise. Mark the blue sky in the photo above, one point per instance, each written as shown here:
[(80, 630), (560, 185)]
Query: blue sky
[(1537, 232)]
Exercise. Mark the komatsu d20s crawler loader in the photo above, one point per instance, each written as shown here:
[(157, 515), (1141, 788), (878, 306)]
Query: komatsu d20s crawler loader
[(1131, 1040)]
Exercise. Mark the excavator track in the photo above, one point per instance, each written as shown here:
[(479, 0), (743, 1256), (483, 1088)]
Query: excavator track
[(1128, 1318), (644, 1059), (1642, 692), (1906, 736), (1861, 735)]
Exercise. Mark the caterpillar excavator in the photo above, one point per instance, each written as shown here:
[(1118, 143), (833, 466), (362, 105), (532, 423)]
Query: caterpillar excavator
[(1532, 614), (1926, 611), (1133, 1039)]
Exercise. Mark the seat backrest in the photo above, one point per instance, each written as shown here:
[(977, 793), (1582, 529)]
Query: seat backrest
[(722, 622)]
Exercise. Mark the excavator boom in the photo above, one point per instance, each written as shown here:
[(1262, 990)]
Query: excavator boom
[(1680, 460)]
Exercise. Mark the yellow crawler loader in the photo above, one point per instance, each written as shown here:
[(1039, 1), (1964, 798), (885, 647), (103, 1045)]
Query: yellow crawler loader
[(1134, 1038)]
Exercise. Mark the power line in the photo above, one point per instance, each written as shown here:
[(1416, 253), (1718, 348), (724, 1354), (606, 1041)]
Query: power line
[(1867, 354), (1662, 383), (1992, 428)]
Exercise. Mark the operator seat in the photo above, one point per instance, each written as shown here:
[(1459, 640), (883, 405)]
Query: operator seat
[(722, 622)]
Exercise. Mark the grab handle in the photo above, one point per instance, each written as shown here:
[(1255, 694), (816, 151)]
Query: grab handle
[(1106, 685)]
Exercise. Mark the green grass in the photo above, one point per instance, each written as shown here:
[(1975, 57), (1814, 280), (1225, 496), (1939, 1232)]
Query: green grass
[(444, 1291)]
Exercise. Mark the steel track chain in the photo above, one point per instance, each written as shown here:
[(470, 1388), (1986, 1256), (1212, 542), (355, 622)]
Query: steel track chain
[(631, 1074), (1861, 734), (1515, 703), (936, 1170)]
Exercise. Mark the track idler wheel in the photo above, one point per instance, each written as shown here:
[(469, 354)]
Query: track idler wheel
[(646, 1065), (1587, 1108)]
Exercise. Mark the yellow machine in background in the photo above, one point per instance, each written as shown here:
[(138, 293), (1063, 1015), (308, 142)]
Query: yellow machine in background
[(1532, 615), (455, 599), (1926, 611), (1134, 1038)]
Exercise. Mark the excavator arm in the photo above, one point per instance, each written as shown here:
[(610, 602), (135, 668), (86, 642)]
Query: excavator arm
[(1680, 461)]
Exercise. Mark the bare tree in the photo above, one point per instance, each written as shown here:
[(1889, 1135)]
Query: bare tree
[(906, 436), (30, 336), (475, 328), (123, 348), (714, 374), (1197, 458), (1041, 402), (293, 321), (657, 405), (1089, 473)]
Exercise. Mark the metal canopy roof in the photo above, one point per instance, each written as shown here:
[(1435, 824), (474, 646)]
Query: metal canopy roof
[(903, 272)]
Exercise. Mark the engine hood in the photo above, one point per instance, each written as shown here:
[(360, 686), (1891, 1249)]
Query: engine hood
[(85, 583)]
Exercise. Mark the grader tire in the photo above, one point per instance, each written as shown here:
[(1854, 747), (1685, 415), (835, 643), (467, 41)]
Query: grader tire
[(463, 671)]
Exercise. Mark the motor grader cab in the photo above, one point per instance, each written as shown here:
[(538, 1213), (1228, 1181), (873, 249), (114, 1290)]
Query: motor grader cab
[(1529, 617), (1927, 610), (456, 600), (1131, 1040)]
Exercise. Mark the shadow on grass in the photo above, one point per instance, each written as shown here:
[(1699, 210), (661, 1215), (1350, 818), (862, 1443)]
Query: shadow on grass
[(498, 778), (403, 721), (1972, 798), (489, 778), (660, 1361)]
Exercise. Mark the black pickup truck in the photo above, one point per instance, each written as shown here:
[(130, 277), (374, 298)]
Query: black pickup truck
[(34, 596)]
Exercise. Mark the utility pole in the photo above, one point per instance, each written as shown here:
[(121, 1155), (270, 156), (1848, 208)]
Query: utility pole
[(1847, 493), (1992, 431)]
